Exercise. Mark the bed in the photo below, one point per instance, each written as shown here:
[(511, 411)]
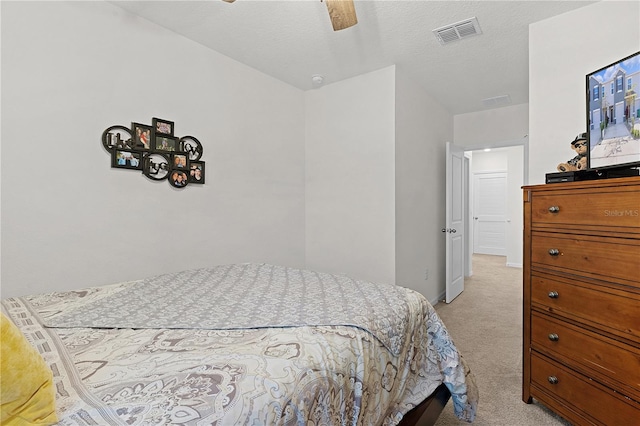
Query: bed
[(244, 344)]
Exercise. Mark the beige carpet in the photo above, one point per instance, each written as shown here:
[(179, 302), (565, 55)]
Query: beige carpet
[(485, 322)]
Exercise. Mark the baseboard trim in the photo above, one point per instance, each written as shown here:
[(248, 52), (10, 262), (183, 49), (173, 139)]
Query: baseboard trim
[(514, 265), (440, 298)]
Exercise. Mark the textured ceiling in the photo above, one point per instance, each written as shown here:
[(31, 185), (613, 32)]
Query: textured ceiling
[(292, 40)]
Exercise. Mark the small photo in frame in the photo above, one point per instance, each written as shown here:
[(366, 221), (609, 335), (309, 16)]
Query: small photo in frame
[(196, 172), (142, 136), (178, 178), (165, 143), (180, 161), (162, 127), (125, 159)]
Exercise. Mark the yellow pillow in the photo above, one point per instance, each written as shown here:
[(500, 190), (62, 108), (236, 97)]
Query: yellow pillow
[(27, 394)]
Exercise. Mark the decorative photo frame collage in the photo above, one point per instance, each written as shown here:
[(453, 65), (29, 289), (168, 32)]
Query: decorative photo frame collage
[(156, 151)]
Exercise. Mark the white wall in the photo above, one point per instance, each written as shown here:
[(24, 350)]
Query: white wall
[(515, 178), (350, 190), (489, 161), (562, 51), (375, 181), (72, 69), (422, 129), (491, 128)]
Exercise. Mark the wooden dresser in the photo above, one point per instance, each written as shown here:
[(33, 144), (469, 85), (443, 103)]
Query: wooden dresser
[(581, 283)]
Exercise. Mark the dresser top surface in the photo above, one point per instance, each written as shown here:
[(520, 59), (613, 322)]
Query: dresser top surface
[(599, 183)]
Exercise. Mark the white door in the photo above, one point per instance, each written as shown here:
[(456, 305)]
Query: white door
[(490, 213), (454, 228)]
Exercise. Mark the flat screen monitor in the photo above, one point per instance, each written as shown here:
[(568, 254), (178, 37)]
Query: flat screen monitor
[(613, 114)]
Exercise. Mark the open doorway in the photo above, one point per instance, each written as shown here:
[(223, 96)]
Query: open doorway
[(494, 203)]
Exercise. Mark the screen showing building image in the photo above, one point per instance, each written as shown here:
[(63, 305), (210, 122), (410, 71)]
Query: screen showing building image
[(613, 115)]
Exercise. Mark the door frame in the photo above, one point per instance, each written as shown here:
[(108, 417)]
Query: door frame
[(524, 142)]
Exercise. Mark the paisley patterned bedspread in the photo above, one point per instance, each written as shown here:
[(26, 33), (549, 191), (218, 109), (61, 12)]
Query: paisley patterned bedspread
[(304, 359)]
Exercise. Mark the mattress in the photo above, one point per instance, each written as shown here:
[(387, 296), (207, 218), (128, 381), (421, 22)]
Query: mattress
[(243, 344)]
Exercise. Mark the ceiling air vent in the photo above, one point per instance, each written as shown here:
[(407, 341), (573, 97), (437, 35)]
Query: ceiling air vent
[(458, 31), (497, 101)]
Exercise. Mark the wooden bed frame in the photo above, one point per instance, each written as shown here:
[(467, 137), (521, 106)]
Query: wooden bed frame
[(428, 411)]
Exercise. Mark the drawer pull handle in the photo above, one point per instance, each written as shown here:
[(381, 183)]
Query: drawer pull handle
[(554, 252), (554, 209), (554, 337), (553, 380), (553, 294)]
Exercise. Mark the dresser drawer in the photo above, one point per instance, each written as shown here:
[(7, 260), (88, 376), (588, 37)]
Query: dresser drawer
[(613, 310), (618, 207), (567, 387), (611, 259), (605, 358)]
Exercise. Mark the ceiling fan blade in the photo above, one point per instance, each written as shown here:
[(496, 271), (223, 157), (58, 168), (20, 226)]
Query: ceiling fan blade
[(342, 14)]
